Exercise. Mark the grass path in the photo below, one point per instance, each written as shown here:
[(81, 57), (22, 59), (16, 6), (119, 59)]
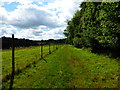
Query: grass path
[(70, 67)]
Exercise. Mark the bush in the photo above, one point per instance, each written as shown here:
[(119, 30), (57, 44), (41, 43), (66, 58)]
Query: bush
[(77, 42)]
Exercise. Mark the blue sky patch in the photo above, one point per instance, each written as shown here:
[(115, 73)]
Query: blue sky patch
[(43, 3), (58, 13), (36, 3), (10, 7)]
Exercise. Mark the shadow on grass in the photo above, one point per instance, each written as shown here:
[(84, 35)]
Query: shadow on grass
[(44, 60)]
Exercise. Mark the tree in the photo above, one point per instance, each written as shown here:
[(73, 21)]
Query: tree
[(96, 25)]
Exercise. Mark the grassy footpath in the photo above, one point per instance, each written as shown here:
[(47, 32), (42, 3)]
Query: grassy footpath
[(70, 67)]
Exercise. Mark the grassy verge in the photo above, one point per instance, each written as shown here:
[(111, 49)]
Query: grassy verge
[(70, 67), (94, 71)]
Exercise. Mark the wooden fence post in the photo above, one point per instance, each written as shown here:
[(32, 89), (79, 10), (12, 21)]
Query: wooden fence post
[(56, 45), (49, 48), (53, 47), (41, 51), (13, 64)]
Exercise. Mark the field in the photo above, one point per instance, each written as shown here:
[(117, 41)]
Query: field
[(24, 57), (68, 67)]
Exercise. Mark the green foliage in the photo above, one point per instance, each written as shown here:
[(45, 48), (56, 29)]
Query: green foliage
[(77, 42), (96, 21)]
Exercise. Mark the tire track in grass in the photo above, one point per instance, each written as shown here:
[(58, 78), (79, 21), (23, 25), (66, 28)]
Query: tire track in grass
[(91, 70), (80, 73)]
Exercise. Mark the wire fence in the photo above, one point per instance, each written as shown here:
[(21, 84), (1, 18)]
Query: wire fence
[(15, 63)]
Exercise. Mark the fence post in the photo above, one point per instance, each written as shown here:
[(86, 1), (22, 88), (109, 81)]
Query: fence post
[(13, 64), (56, 45), (49, 48), (53, 46), (41, 51)]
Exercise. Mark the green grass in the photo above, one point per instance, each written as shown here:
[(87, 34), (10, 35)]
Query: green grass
[(70, 67), (23, 57)]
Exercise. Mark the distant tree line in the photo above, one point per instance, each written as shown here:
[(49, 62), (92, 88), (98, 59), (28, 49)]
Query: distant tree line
[(97, 26), (7, 42)]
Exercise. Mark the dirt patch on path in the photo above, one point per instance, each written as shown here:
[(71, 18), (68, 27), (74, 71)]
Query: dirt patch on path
[(72, 62), (80, 73)]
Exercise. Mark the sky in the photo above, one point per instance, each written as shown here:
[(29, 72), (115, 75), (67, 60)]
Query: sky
[(36, 19)]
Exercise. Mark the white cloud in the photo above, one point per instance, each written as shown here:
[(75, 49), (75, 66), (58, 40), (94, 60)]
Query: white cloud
[(30, 16), (1, 3), (38, 22), (56, 33), (67, 8), (3, 15), (7, 30), (40, 3)]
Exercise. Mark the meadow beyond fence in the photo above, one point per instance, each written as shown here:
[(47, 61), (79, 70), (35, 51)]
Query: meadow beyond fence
[(15, 60)]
